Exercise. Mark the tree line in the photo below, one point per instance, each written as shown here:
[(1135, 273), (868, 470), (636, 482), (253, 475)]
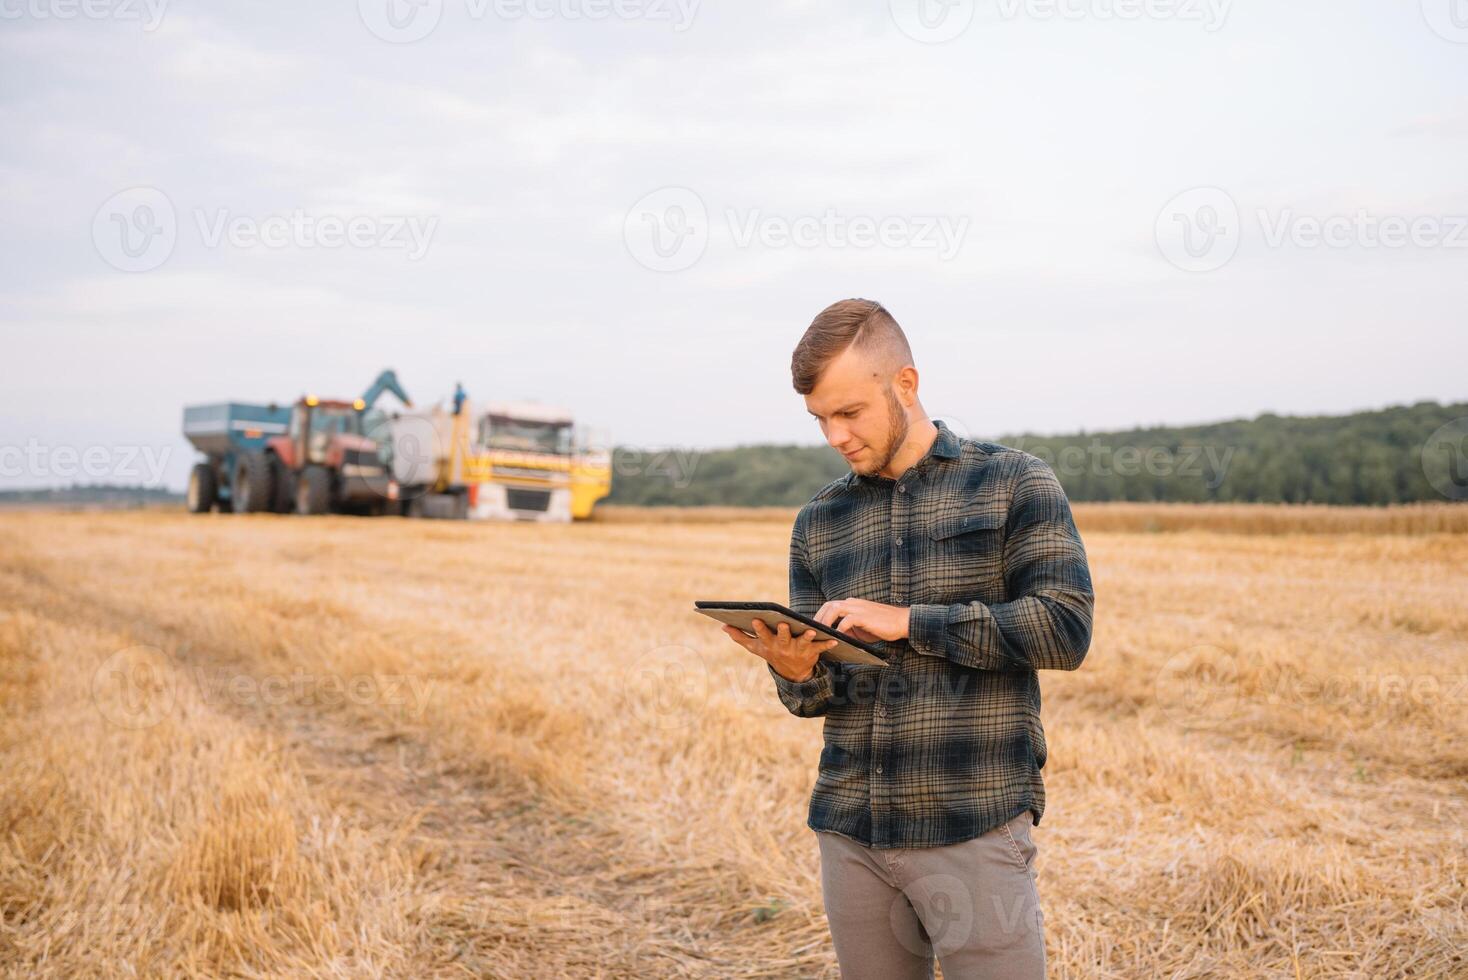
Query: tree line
[(1393, 455)]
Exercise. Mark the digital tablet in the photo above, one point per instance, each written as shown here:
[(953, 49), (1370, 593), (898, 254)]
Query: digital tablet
[(848, 649)]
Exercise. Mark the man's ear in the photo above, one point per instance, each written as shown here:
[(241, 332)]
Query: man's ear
[(906, 385)]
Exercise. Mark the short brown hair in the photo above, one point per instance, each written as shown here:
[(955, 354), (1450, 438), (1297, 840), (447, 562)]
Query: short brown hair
[(861, 323)]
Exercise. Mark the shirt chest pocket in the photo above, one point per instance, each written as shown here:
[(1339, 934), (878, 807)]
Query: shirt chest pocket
[(966, 559)]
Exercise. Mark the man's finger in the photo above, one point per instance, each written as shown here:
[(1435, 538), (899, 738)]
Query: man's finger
[(828, 613), (740, 637)]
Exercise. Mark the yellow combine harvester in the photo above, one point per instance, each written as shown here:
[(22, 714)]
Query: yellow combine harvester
[(513, 461)]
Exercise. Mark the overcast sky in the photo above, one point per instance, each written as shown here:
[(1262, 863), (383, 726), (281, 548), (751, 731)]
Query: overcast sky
[(633, 208)]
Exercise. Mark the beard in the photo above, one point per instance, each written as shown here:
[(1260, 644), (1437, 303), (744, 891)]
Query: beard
[(897, 428)]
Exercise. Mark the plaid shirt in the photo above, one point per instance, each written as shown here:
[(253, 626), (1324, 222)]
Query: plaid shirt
[(944, 742)]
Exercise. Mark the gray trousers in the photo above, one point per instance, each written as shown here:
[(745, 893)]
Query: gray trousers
[(973, 904)]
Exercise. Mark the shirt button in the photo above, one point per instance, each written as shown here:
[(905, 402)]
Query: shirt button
[(879, 770), (899, 542), (902, 488)]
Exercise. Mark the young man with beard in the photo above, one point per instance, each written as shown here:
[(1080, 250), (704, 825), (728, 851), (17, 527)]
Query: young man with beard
[(960, 559)]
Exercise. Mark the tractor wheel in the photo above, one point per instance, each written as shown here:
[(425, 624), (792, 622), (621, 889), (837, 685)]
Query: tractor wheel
[(202, 489), (253, 486), (313, 490), (284, 480)]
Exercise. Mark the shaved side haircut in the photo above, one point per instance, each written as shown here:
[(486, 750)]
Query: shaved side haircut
[(860, 323)]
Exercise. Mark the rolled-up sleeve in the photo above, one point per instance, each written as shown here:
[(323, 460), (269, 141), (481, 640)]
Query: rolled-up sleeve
[(1047, 622)]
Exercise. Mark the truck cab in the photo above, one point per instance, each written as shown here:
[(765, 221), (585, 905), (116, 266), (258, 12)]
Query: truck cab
[(509, 461), (527, 465)]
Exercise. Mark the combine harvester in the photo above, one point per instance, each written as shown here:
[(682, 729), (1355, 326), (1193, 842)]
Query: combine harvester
[(315, 457), (516, 461)]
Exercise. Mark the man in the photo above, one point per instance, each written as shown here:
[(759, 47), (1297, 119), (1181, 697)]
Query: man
[(961, 560)]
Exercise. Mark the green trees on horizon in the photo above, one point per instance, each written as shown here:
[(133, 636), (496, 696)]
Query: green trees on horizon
[(1393, 455)]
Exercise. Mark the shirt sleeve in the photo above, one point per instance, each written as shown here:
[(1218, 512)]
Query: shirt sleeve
[(1047, 622), (811, 697)]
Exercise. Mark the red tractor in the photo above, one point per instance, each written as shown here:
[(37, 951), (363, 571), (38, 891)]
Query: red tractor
[(335, 457)]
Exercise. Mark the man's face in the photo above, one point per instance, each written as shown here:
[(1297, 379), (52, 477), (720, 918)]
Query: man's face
[(860, 415)]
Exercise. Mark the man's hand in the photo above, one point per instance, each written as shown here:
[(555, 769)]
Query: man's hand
[(864, 619), (794, 658)]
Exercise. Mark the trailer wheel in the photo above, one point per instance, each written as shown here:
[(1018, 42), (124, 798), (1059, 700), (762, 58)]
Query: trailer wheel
[(284, 483), (253, 486), (202, 488), (313, 491)]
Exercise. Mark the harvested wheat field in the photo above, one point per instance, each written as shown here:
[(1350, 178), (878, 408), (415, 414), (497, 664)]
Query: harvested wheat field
[(264, 746)]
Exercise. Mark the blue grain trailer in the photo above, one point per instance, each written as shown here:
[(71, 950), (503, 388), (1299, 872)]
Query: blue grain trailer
[(226, 433)]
